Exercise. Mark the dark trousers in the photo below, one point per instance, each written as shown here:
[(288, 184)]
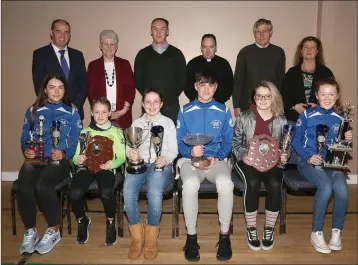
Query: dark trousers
[(171, 111), (272, 180), (80, 182), (39, 182)]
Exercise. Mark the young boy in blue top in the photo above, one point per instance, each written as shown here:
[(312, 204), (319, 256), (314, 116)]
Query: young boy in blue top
[(206, 115), (327, 181)]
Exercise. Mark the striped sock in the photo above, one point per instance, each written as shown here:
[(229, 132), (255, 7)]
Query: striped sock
[(271, 218), (250, 219)]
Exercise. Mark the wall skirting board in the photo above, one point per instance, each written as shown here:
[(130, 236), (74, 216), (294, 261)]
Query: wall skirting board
[(11, 176)]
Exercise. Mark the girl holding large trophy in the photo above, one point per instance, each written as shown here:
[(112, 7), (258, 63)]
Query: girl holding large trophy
[(158, 148), (100, 151), (49, 139), (258, 132), (315, 128)]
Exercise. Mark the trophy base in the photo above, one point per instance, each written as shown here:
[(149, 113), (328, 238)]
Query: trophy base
[(37, 161), (200, 162), (338, 167), (136, 168)]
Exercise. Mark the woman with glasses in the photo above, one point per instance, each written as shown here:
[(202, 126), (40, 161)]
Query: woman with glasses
[(265, 116), (299, 84), (158, 175), (112, 77)]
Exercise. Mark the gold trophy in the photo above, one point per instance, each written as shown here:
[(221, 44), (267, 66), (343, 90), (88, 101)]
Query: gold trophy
[(338, 149)]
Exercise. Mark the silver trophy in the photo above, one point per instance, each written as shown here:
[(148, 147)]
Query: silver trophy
[(84, 139), (198, 139), (56, 137), (134, 138), (40, 150), (288, 132), (157, 138), (339, 147)]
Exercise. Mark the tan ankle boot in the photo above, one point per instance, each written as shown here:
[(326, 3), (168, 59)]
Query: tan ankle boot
[(136, 247), (150, 245)]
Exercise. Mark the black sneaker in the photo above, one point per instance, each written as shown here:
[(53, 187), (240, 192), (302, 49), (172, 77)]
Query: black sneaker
[(111, 235), (267, 238), (191, 248), (224, 251), (83, 234), (253, 239)]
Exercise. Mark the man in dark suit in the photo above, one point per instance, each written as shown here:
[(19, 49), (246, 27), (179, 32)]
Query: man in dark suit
[(58, 57)]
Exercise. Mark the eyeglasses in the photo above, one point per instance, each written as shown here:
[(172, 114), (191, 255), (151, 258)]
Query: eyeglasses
[(266, 97)]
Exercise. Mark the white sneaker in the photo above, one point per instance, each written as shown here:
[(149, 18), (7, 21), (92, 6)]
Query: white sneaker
[(318, 242), (335, 243), (29, 242), (48, 241)]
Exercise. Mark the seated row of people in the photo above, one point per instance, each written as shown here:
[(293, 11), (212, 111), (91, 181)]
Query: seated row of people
[(264, 117)]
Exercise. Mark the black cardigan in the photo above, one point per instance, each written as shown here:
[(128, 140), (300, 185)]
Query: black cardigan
[(293, 91)]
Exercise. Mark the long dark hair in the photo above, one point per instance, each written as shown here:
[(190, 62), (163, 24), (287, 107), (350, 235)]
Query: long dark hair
[(42, 98)]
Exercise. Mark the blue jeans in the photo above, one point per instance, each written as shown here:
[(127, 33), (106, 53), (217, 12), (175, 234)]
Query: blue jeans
[(156, 182), (326, 182)]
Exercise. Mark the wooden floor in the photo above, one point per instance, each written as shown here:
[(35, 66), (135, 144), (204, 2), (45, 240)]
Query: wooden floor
[(292, 248)]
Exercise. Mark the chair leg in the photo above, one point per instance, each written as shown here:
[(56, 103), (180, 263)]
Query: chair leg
[(13, 213), (177, 213), (174, 210), (61, 212), (121, 209), (283, 211), (86, 205), (68, 212), (118, 209), (231, 229)]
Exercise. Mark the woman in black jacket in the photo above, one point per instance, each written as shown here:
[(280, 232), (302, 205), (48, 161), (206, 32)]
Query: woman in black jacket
[(299, 83)]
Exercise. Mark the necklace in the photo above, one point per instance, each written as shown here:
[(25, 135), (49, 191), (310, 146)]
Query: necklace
[(107, 79)]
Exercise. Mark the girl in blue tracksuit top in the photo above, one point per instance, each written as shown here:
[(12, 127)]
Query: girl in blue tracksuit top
[(327, 181), (52, 104)]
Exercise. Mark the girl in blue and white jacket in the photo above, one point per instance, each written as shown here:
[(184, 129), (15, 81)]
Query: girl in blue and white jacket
[(327, 181), (53, 105)]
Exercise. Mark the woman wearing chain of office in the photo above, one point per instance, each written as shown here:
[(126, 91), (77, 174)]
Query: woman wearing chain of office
[(112, 77)]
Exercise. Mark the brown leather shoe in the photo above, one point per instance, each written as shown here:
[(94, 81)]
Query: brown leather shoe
[(151, 243), (136, 247)]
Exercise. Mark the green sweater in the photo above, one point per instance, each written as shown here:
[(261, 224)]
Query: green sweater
[(113, 133), (255, 64), (166, 72)]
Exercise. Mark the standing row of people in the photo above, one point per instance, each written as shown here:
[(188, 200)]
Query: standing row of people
[(162, 66)]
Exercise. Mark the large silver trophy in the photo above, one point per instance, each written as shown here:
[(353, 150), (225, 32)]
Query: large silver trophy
[(288, 132), (84, 139), (198, 139), (321, 135), (339, 148), (56, 137), (157, 138), (134, 138)]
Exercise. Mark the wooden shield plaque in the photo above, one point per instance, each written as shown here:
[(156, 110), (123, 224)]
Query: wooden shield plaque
[(263, 152), (99, 151)]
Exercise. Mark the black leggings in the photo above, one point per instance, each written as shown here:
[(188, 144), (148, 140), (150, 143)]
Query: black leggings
[(80, 182), (40, 180), (272, 180)]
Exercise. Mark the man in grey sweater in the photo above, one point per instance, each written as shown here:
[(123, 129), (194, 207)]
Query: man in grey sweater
[(259, 61)]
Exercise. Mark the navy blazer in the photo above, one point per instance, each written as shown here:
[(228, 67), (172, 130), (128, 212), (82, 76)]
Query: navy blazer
[(45, 61)]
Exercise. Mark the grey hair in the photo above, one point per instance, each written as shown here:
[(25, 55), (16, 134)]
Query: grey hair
[(108, 34), (263, 21)]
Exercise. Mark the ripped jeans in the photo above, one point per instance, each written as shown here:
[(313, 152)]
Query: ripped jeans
[(156, 183)]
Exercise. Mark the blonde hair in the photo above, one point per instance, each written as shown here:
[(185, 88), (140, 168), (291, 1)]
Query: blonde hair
[(263, 21), (276, 100)]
